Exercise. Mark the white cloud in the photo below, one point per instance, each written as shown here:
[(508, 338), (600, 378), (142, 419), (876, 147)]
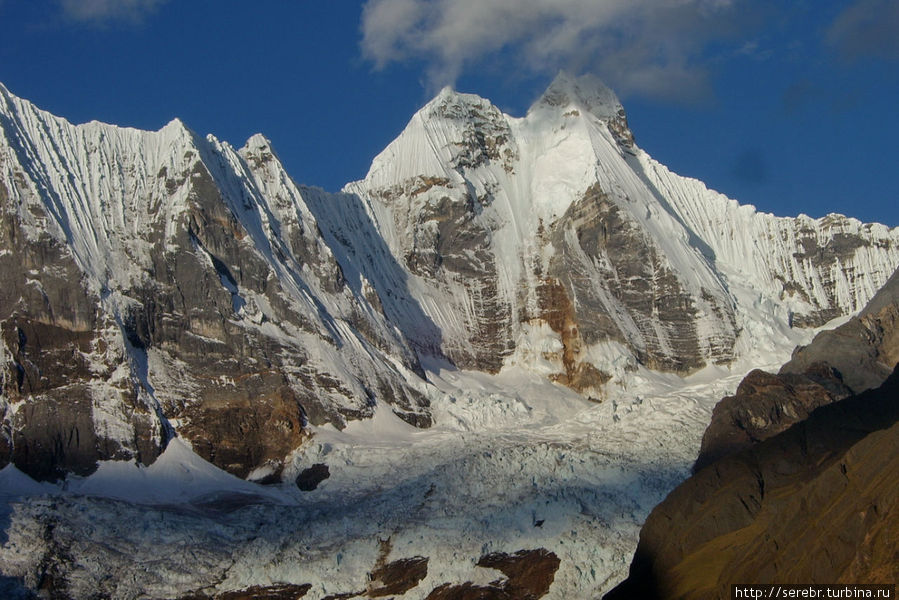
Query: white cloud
[(867, 29), (649, 47), (102, 11)]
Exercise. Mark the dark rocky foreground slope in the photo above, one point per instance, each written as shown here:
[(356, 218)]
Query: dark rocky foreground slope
[(817, 503), (796, 481)]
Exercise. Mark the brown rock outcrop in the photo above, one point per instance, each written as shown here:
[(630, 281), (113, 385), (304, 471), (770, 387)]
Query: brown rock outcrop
[(763, 406), (529, 573), (309, 478), (397, 577)]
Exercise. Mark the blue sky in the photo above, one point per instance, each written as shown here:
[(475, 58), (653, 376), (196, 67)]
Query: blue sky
[(790, 106)]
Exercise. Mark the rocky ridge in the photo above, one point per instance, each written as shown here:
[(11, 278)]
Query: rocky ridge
[(854, 357)]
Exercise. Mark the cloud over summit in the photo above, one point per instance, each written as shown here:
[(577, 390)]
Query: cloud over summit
[(646, 47), (867, 29), (108, 10)]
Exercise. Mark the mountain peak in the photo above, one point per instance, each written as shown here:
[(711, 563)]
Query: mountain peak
[(175, 124), (7, 98), (450, 103), (447, 91), (588, 91), (259, 143)]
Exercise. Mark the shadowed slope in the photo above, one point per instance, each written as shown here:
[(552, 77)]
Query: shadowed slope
[(814, 504)]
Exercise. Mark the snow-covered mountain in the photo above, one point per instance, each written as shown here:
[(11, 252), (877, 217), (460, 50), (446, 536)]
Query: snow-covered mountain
[(552, 241), (158, 282), (431, 334), (205, 293)]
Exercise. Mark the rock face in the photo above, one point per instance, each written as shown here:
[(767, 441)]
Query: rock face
[(159, 283), (814, 504), (397, 577), (308, 479), (66, 402), (852, 358), (764, 406)]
